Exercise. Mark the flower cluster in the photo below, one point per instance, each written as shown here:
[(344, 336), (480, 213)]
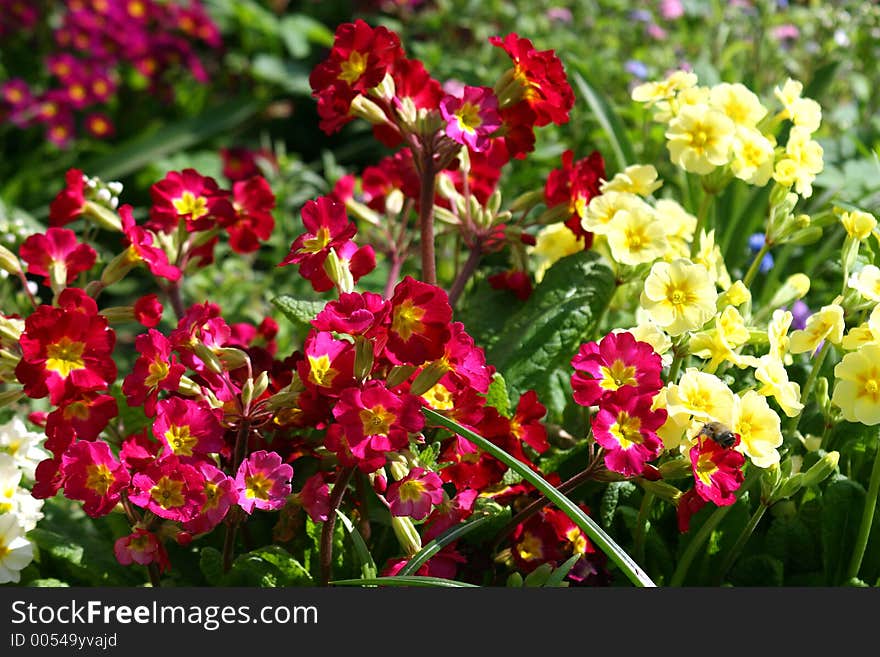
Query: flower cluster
[(20, 452), (94, 42)]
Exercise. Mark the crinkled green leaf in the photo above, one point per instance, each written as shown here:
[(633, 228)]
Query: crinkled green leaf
[(497, 396), (299, 311), (545, 333), (842, 505)]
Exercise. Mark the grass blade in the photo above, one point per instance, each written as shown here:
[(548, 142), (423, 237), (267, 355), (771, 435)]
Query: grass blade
[(368, 566), (447, 537), (409, 580), (605, 543), (609, 121)]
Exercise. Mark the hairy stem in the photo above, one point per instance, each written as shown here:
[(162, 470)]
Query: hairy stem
[(642, 527), (464, 275), (428, 175), (238, 454), (867, 519), (326, 547)]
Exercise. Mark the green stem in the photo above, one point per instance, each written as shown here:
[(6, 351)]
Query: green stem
[(702, 214), (756, 265), (602, 540), (867, 519), (678, 352), (742, 539), (642, 527), (807, 390), (703, 534)]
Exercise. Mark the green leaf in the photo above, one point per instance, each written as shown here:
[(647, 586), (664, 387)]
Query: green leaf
[(48, 582), (299, 31), (368, 566), (611, 498), (497, 396), (151, 147), (557, 577), (842, 505), (409, 580), (450, 535), (269, 566), (757, 570), (539, 576), (133, 417), (545, 333), (484, 311), (608, 120), (298, 311), (602, 540), (291, 76), (211, 565)]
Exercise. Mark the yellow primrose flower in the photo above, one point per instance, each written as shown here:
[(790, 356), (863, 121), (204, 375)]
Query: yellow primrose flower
[(857, 389), (826, 324), (802, 161), (666, 110), (777, 331), (738, 103), (867, 282), (709, 255), (679, 296), (736, 295), (732, 326), (635, 236), (803, 112), (702, 395), (858, 336), (602, 208), (759, 429), (753, 157), (648, 331), (712, 346), (772, 374), (673, 431), (795, 287), (700, 139), (679, 225), (858, 224), (638, 179), (553, 242), (651, 92)]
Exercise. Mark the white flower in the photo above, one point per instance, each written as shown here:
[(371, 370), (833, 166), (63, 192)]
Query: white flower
[(16, 552), (22, 445)]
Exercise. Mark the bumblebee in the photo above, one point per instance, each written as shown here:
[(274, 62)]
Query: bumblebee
[(720, 433)]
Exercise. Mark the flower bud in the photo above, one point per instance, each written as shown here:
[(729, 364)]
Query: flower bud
[(822, 469), (189, 387), (394, 202), (527, 200), (102, 216), (428, 377), (446, 188), (806, 236), (812, 443), (778, 194), (8, 397), (676, 468), (363, 357), (359, 210), (398, 466), (231, 358), (770, 479), (117, 268), (791, 486), (247, 393), (399, 374), (9, 262), (364, 108), (208, 357), (661, 489), (338, 272), (795, 287), (406, 534), (118, 314), (11, 328), (261, 384)]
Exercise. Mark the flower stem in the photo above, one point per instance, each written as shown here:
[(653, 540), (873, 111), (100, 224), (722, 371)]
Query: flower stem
[(642, 527), (238, 455), (756, 265), (702, 215), (742, 539), (326, 547), (705, 531), (155, 578), (807, 390), (464, 275), (867, 519), (176, 299), (393, 275), (428, 177)]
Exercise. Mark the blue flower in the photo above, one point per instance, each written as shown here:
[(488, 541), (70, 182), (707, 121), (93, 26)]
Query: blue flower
[(636, 68)]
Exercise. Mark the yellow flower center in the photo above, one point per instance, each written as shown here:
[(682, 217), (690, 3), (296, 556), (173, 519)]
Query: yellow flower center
[(530, 547), (871, 386), (438, 397), (317, 243), (65, 356), (705, 469), (189, 203), (140, 544), (320, 372), (376, 421), (168, 493), (407, 319), (352, 69), (212, 496), (619, 374), (468, 117), (626, 430), (181, 440), (3, 551), (99, 478), (411, 491), (258, 486), (76, 410), (158, 372)]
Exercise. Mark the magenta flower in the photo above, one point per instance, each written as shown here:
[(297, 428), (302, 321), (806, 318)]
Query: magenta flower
[(717, 471), (189, 429), (93, 475), (473, 118), (415, 494), (220, 494), (57, 249), (617, 361), (170, 489), (263, 481), (141, 547), (627, 428)]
